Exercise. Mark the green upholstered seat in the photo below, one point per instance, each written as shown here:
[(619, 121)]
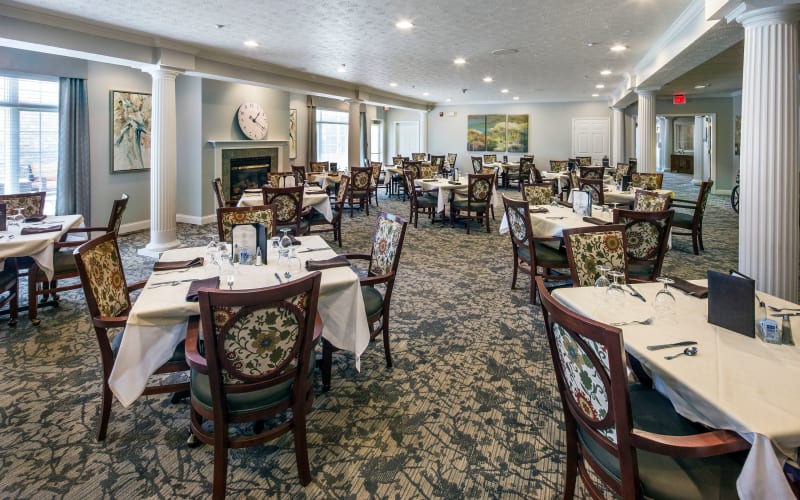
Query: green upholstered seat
[(544, 255), (373, 300), (303, 227), (640, 270), (682, 219), (462, 205)]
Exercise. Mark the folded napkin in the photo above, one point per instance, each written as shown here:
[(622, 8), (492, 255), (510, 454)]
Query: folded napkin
[(565, 204), (596, 221), (538, 210), (698, 291), (295, 241), (194, 286), (35, 218), (177, 264), (41, 229), (454, 183), (318, 265), (429, 180), (316, 191)]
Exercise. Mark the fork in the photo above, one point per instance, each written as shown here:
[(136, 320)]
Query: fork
[(646, 321)]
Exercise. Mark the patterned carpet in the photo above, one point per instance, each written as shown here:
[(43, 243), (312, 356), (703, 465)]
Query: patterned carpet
[(470, 408)]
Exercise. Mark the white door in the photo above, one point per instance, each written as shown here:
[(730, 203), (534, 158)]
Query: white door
[(406, 138), (591, 137)]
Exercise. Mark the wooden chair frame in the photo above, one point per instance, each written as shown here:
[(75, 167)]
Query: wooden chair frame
[(318, 224), (216, 184), (360, 188), (419, 203), (568, 235), (698, 207), (293, 197), (662, 223), (246, 215), (476, 208)]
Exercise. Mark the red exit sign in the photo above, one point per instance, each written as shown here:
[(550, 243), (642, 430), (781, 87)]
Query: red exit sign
[(679, 99)]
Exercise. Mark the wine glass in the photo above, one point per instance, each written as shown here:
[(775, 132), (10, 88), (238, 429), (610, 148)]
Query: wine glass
[(229, 280), (211, 255), (284, 245), (553, 201), (223, 255), (602, 280), (664, 304), (19, 216), (294, 262), (614, 289)]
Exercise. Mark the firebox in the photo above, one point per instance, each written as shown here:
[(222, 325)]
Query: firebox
[(248, 173)]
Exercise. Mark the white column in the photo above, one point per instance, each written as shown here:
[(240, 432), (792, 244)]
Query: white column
[(646, 147), (699, 150), (354, 135), (163, 164), (768, 210), (618, 137), (423, 132), (668, 142)]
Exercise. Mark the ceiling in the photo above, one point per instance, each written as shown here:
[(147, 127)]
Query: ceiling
[(561, 47)]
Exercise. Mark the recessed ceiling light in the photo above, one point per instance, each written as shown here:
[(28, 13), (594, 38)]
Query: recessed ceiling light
[(505, 91), (404, 25), (618, 48), (595, 95), (392, 84), (605, 72), (459, 60), (251, 43), (599, 86), (701, 86), (426, 93), (342, 68), (488, 79), (590, 44), (504, 52), (219, 26), (516, 98), (447, 100)]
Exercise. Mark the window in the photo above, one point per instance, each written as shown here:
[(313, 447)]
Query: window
[(29, 136), (332, 137), (376, 140)]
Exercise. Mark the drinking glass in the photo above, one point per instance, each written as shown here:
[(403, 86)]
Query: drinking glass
[(664, 303), (294, 262), (553, 201), (284, 245), (223, 255), (19, 216), (211, 255), (614, 289), (602, 281)]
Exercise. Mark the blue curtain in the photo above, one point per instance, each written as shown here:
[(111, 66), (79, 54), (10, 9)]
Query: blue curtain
[(74, 170), (311, 152)]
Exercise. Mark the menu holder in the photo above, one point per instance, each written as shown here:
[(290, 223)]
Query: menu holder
[(2, 216), (250, 236), (581, 203), (731, 302), (626, 182)]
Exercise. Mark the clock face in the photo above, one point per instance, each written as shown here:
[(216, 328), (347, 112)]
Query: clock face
[(253, 121)]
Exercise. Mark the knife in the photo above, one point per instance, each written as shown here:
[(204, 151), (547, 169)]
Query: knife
[(674, 344), (787, 314), (278, 276), (312, 250), (636, 294)]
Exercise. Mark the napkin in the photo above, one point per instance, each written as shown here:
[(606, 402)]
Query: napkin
[(429, 180), (565, 204), (194, 286), (315, 191), (596, 221), (317, 265), (698, 291), (454, 183), (295, 241), (538, 210), (177, 264), (42, 229), (35, 218)]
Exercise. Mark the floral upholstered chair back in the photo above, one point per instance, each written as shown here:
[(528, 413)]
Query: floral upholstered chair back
[(299, 173), (519, 223), (437, 161), (646, 236), (490, 158), (477, 164), (558, 165), (419, 156), (648, 201), (104, 283), (360, 179), (451, 159), (288, 203), (525, 168), (398, 160), (376, 172), (479, 188), (387, 243), (228, 217), (574, 183), (30, 203), (622, 170), (595, 188), (651, 181), (318, 166), (705, 190), (429, 171), (341, 194), (584, 161), (592, 172), (536, 194), (589, 248)]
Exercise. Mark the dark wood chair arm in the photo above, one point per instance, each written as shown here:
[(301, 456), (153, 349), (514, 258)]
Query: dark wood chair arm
[(691, 203), (58, 245), (91, 229), (136, 285), (194, 359), (317, 328), (362, 256), (110, 321), (707, 444), (375, 280)]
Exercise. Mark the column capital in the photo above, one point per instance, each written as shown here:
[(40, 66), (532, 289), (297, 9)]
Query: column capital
[(647, 90), (162, 72), (766, 13)]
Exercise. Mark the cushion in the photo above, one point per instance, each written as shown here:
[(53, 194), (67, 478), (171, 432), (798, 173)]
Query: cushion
[(373, 300), (424, 201), (545, 255), (682, 219), (462, 205), (640, 270), (662, 476)]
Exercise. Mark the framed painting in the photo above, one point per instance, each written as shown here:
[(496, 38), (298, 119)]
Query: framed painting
[(517, 133), (476, 133), (495, 132), (292, 134), (131, 125)]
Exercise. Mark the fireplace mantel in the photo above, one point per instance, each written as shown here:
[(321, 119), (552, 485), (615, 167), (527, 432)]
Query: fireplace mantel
[(219, 146)]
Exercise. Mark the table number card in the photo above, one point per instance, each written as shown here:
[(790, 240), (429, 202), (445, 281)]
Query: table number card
[(250, 237), (2, 216), (581, 203)]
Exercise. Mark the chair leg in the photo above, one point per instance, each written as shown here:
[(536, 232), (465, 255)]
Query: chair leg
[(300, 443), (385, 331), (700, 238), (33, 287), (220, 461), (105, 411), (694, 243), (571, 472), (514, 272), (327, 364)]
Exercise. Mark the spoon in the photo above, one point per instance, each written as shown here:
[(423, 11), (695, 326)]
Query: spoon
[(689, 351), (646, 321), (287, 275)]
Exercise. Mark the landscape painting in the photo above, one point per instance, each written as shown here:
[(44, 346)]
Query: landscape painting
[(476, 133), (495, 132), (517, 133)]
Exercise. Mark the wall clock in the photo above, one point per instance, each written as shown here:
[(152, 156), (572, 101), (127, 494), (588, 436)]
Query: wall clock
[(253, 121)]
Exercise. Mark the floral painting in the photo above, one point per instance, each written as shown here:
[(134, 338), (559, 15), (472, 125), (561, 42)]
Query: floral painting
[(292, 134), (131, 115), (476, 133), (517, 133), (495, 132)]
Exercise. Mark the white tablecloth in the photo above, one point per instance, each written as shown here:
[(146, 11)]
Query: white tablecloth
[(552, 223), (445, 189), (38, 246), (157, 321), (320, 202), (734, 382)]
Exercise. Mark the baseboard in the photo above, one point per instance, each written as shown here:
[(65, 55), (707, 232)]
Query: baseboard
[(133, 227)]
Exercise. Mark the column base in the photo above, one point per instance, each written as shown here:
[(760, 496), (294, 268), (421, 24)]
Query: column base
[(155, 250)]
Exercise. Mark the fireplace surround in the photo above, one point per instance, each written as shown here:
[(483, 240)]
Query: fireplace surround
[(264, 156)]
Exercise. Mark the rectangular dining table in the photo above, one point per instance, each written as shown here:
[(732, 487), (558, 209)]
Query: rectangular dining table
[(734, 382), (313, 197), (158, 319), (553, 222), (38, 246)]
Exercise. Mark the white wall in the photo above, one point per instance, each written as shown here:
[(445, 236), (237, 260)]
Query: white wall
[(549, 128)]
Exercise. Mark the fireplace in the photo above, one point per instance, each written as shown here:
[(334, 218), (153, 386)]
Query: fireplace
[(247, 173)]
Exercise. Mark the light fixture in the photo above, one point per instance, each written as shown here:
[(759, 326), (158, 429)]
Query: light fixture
[(605, 72), (595, 95), (342, 68), (447, 100), (426, 93), (392, 84), (701, 86), (618, 47), (251, 43), (516, 98), (504, 91), (459, 60), (404, 25), (590, 44), (488, 79), (219, 26), (599, 86)]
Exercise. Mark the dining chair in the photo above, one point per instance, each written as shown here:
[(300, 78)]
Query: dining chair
[(64, 265), (632, 165), (651, 181), (378, 179), (9, 287), (288, 202), (530, 254), (382, 264), (521, 174), (692, 222), (649, 201), (30, 203), (360, 182), (558, 165), (437, 161), (398, 179), (588, 172), (419, 156), (477, 164), (590, 247), (227, 217), (646, 241), (316, 167), (595, 187), (418, 201), (317, 221), (476, 206), (255, 366), (584, 161), (490, 158), (628, 437), (428, 171), (107, 294), (299, 174), (622, 170), (216, 184), (451, 161), (537, 194)]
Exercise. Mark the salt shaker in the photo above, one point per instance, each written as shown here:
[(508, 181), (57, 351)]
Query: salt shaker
[(258, 255)]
